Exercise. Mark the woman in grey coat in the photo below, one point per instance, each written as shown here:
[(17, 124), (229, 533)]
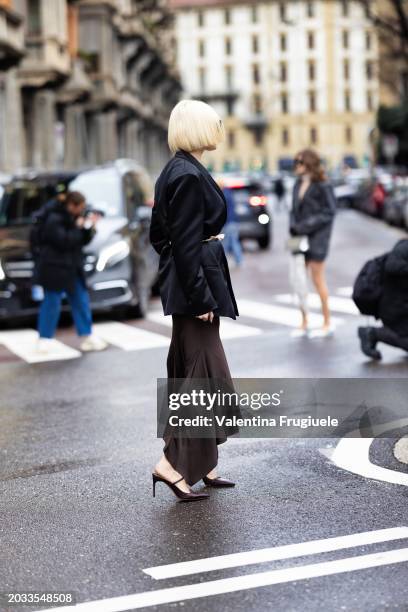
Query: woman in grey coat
[(312, 215)]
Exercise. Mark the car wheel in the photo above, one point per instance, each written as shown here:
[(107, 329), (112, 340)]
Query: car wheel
[(263, 242)]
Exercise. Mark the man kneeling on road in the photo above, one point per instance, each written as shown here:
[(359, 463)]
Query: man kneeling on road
[(65, 230)]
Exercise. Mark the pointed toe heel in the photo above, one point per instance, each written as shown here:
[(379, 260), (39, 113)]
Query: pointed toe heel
[(218, 482)]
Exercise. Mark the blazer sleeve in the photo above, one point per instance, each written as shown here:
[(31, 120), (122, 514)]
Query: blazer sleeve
[(316, 221), (186, 223), (63, 238)]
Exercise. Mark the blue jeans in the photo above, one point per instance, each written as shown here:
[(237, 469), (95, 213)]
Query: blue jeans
[(50, 310), (231, 241)]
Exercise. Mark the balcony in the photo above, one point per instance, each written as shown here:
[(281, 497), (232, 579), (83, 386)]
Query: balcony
[(11, 38)]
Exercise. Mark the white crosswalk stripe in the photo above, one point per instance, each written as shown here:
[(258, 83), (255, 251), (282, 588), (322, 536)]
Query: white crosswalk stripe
[(341, 305), (129, 337), (22, 342), (281, 311), (289, 317), (228, 329)]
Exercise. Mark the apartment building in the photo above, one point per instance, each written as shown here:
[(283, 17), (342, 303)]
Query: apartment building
[(284, 75)]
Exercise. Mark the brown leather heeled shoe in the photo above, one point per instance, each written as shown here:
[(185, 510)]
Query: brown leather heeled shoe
[(218, 482), (182, 495)]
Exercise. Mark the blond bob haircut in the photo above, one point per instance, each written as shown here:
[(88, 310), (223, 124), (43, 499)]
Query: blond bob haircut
[(193, 126)]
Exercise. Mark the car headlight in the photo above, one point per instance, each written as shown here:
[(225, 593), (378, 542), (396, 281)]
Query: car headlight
[(2, 275), (112, 254), (263, 219)]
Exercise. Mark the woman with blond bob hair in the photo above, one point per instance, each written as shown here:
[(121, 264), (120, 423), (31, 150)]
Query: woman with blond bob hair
[(195, 286), (312, 215)]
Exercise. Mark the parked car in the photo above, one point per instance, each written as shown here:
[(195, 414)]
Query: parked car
[(120, 264), (395, 204), (254, 218)]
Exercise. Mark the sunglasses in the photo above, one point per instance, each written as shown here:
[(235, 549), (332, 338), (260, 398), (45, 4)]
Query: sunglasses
[(298, 162)]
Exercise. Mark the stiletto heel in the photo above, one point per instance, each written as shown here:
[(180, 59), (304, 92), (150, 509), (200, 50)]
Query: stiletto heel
[(182, 495)]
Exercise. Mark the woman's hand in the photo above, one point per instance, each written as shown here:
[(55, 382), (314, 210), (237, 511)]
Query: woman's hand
[(207, 317)]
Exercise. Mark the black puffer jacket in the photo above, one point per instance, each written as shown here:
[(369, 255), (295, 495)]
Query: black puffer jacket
[(393, 309), (313, 216), (61, 259)]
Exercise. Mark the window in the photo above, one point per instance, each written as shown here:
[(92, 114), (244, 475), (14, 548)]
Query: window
[(347, 101), (285, 137), (346, 69), (256, 77), (283, 42), (369, 70), (349, 134), (283, 72), (201, 48), (202, 78), (228, 46), (34, 17), (368, 41), (254, 14), (282, 11), (255, 44), (284, 103), (227, 16), (257, 102), (310, 9), (311, 40), (345, 8), (312, 70), (346, 40), (200, 19), (370, 101), (313, 135), (231, 139), (312, 101), (229, 77)]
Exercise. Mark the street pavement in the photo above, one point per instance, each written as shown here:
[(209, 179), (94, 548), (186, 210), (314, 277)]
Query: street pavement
[(77, 444)]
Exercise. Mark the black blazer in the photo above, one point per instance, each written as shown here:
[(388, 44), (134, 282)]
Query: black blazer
[(188, 208), (313, 216), (60, 260)]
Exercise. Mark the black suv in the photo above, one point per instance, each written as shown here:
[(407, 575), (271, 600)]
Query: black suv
[(120, 264)]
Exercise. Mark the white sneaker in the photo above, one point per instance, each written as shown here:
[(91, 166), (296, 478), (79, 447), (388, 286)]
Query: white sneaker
[(44, 345), (93, 343), (321, 332), (299, 333)]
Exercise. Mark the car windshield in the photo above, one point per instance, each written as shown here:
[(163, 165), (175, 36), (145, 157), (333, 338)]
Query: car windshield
[(102, 190), (22, 198)]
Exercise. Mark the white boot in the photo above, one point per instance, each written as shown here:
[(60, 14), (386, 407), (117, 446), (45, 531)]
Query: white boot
[(93, 343)]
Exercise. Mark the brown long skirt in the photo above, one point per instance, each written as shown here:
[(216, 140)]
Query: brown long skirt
[(196, 352)]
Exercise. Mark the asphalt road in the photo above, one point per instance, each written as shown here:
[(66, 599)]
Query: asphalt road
[(77, 444)]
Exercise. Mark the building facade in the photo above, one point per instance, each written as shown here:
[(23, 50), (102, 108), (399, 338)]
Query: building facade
[(284, 75), (92, 80)]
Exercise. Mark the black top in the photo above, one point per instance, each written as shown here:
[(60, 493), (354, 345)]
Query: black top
[(61, 260), (313, 216), (189, 207)]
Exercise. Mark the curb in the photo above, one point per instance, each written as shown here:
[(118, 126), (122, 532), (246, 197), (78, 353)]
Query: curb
[(401, 450)]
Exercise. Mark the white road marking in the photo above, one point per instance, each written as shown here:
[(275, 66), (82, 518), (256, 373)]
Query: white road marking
[(273, 313), (23, 343), (353, 455), (238, 583), (342, 305), (277, 553), (345, 291), (228, 329), (128, 337)]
